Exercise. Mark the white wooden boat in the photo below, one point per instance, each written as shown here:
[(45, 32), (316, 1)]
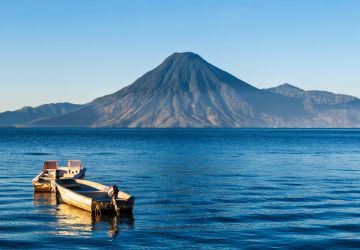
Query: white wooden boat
[(94, 197), (45, 180)]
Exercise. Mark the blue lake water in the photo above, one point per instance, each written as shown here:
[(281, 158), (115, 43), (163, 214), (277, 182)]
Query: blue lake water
[(194, 188)]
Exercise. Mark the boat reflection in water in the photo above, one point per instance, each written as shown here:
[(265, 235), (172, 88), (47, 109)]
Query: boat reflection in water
[(44, 199), (73, 221)]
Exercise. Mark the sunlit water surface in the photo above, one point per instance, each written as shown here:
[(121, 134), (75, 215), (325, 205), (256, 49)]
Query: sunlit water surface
[(246, 188)]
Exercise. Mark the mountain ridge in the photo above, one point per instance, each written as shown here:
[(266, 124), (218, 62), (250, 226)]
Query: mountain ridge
[(26, 115), (318, 96), (185, 91), (191, 93)]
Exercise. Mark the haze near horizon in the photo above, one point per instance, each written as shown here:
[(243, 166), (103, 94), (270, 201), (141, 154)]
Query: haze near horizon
[(66, 51)]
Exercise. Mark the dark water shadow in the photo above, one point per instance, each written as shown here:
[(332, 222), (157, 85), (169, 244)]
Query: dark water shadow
[(36, 153), (103, 153)]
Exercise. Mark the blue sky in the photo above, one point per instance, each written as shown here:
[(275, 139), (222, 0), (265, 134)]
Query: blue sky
[(66, 50)]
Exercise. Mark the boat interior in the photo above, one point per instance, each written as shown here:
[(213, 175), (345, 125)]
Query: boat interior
[(92, 190)]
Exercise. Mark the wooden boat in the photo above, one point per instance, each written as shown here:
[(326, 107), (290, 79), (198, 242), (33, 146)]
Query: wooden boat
[(94, 197), (45, 180)]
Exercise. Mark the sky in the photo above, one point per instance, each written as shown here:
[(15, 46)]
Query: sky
[(75, 51)]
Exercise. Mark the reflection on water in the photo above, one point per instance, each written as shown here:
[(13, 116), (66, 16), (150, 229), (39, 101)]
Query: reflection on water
[(44, 199), (72, 221)]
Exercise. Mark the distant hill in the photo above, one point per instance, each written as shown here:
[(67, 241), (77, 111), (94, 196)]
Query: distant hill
[(314, 96), (186, 91), (27, 115), (326, 109)]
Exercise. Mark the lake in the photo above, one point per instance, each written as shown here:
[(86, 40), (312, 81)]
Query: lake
[(194, 188)]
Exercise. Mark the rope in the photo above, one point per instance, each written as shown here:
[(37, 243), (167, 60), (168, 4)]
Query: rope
[(97, 210), (113, 193), (113, 200)]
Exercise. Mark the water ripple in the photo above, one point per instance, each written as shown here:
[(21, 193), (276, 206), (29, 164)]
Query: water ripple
[(194, 189)]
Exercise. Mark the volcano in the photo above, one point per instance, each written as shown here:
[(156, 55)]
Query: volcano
[(185, 91)]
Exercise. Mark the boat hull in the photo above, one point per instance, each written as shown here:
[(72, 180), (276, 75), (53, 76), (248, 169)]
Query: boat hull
[(74, 199), (123, 205), (95, 200)]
